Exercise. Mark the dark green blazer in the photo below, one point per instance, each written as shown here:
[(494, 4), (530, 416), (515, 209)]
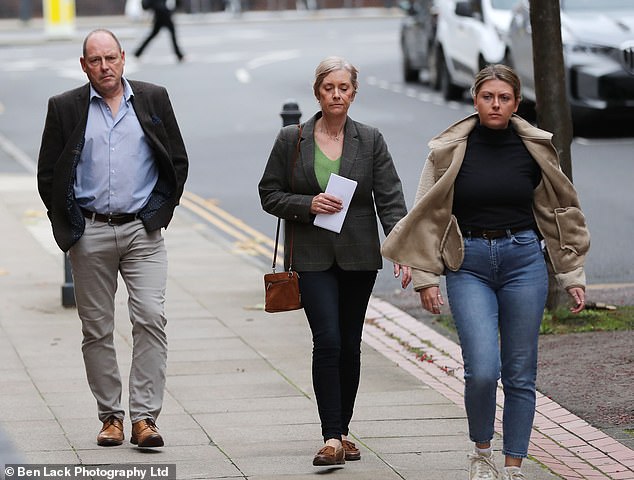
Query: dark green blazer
[(288, 195), (63, 140)]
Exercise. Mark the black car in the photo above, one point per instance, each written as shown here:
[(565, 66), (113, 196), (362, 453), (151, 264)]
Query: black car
[(598, 48)]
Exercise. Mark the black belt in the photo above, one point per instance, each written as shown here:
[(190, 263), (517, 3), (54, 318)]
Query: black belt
[(110, 218), (492, 234)]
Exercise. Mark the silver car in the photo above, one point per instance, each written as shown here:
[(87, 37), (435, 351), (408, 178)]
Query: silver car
[(598, 47)]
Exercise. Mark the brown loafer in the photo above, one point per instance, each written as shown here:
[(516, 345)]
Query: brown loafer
[(351, 451), (111, 433), (146, 434), (329, 456)]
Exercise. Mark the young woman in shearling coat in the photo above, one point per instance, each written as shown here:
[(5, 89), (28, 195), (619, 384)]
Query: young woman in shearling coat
[(490, 192)]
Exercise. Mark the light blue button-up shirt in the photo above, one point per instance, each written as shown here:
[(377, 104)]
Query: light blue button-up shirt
[(116, 172)]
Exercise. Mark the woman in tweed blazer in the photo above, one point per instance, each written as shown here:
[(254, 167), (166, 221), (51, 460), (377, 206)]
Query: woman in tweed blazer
[(337, 271)]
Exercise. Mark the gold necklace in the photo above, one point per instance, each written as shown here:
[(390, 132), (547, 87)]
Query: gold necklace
[(324, 129)]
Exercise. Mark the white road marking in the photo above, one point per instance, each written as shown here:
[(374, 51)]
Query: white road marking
[(273, 57), (243, 74), (18, 155)]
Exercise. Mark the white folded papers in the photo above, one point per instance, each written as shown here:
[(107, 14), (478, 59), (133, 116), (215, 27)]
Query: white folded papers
[(342, 188)]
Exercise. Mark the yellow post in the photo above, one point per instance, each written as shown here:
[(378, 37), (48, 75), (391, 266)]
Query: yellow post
[(59, 17)]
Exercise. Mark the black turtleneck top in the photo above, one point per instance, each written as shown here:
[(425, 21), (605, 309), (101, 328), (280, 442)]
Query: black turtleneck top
[(494, 188)]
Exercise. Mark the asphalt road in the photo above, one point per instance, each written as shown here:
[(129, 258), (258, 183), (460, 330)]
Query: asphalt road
[(229, 93)]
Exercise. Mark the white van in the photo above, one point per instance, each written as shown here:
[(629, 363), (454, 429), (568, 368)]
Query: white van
[(469, 35)]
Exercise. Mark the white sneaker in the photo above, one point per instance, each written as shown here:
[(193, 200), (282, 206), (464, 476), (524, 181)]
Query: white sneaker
[(481, 467), (513, 473)]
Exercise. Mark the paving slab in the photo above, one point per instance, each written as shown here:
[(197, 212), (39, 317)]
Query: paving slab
[(239, 401)]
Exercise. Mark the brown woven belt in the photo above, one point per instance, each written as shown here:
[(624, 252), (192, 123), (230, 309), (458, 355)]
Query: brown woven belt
[(111, 218), (492, 234)]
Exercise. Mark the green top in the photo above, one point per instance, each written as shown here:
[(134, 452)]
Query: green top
[(324, 167)]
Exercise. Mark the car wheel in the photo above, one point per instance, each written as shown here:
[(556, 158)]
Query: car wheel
[(448, 89), (508, 59), (526, 108), (527, 111), (410, 74), (482, 63)]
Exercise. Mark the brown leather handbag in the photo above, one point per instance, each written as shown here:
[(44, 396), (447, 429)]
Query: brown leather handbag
[(281, 289)]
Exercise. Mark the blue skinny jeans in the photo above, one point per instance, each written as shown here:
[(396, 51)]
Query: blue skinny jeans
[(497, 300), (335, 302)]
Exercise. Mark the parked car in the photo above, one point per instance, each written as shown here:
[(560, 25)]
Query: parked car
[(418, 32), (469, 35), (598, 48)]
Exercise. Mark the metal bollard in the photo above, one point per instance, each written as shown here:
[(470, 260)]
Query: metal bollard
[(25, 10), (290, 113), (68, 288)]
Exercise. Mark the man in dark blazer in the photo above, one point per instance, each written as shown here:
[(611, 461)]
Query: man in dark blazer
[(111, 169)]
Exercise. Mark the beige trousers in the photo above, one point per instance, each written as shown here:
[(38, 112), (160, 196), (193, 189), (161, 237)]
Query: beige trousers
[(140, 257)]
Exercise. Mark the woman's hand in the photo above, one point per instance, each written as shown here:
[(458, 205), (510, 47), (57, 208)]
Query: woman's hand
[(407, 274), (325, 203), (578, 295), (431, 299)]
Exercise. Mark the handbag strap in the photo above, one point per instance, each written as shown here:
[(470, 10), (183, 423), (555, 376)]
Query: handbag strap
[(277, 238), (279, 220)]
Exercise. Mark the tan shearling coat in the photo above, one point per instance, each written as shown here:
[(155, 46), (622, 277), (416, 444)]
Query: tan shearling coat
[(428, 238)]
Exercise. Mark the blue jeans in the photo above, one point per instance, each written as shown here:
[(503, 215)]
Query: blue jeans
[(335, 302), (500, 289)]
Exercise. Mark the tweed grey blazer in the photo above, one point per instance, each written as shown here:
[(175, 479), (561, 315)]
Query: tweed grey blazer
[(288, 194), (63, 140)]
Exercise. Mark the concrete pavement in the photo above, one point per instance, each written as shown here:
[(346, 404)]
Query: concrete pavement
[(239, 401)]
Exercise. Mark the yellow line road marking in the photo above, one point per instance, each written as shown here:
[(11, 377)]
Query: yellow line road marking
[(213, 208), (247, 238)]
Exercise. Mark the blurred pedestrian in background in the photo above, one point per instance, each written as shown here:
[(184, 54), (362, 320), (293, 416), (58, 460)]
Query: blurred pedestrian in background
[(162, 18), (490, 191), (336, 271)]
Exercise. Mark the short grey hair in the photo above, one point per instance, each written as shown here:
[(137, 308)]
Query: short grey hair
[(100, 30), (333, 64)]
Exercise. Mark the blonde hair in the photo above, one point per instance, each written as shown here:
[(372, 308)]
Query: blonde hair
[(497, 72), (332, 64)]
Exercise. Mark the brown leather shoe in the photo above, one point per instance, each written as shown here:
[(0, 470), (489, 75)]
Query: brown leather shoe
[(351, 451), (146, 434), (329, 456), (111, 433)]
